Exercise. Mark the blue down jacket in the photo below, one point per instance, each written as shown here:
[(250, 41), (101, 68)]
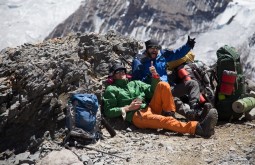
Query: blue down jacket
[(140, 65)]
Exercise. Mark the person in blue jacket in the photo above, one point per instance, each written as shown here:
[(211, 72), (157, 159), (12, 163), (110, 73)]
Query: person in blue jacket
[(157, 58)]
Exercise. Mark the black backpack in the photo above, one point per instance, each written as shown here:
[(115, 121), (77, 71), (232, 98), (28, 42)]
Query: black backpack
[(200, 72)]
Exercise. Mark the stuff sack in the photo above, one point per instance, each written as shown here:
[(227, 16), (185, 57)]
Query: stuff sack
[(230, 82), (81, 118)]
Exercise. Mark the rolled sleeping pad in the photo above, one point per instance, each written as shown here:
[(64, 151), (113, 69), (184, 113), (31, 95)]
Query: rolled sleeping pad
[(243, 105)]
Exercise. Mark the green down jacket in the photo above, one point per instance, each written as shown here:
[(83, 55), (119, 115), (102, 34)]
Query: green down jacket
[(122, 93)]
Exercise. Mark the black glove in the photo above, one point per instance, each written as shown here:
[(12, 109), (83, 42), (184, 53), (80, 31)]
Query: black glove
[(191, 42)]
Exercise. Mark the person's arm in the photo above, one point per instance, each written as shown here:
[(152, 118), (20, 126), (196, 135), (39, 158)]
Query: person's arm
[(137, 69), (172, 55), (149, 89), (110, 103), (140, 70), (111, 107)]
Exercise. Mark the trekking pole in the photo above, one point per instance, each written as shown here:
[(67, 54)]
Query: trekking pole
[(108, 127), (67, 137), (125, 60), (90, 148)]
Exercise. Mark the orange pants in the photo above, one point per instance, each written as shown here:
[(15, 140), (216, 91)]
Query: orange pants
[(151, 116)]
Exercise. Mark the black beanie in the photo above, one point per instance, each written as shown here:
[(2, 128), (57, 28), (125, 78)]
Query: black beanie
[(152, 43), (116, 67)]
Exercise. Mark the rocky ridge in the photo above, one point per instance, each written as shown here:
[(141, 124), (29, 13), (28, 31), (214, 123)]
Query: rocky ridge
[(36, 80)]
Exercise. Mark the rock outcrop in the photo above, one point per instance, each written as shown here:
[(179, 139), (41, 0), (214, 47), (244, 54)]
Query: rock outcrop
[(36, 80)]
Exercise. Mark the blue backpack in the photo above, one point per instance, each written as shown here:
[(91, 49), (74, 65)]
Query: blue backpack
[(81, 117), (86, 107)]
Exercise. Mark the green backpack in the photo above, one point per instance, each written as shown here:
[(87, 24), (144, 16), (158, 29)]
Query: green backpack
[(230, 82)]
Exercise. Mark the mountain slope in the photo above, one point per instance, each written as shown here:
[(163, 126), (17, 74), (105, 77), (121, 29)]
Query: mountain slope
[(213, 23), (165, 20)]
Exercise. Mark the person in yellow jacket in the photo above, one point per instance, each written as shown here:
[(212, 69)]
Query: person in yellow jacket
[(128, 99)]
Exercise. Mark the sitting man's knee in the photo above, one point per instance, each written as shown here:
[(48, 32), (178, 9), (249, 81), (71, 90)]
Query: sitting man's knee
[(192, 83), (165, 84)]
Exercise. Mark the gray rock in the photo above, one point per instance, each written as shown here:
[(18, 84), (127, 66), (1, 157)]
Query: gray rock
[(21, 157), (63, 157), (40, 74)]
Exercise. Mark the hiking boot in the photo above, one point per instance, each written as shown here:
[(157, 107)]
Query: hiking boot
[(194, 114), (206, 127), (205, 110), (207, 106), (198, 113)]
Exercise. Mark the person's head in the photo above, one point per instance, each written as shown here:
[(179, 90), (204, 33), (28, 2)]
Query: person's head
[(152, 48), (118, 71)]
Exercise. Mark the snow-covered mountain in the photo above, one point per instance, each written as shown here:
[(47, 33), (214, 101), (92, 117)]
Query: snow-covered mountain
[(235, 26), (31, 20), (165, 20), (212, 23)]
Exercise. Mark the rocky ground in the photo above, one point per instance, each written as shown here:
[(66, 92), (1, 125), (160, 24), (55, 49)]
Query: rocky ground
[(36, 81), (232, 144)]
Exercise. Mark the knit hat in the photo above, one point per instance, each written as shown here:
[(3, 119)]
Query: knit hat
[(152, 43), (115, 68)]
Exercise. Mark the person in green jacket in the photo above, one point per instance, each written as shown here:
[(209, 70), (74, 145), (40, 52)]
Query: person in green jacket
[(128, 99)]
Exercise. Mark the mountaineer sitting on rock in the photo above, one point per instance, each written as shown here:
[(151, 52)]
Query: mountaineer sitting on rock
[(128, 99), (158, 58)]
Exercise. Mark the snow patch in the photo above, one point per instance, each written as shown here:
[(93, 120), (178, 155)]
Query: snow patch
[(31, 20)]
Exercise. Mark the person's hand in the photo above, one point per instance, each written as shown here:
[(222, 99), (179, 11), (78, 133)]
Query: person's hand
[(191, 42), (153, 69), (135, 104)]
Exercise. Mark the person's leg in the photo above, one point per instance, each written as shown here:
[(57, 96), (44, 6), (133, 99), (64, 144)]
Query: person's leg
[(190, 88), (146, 119), (182, 108), (162, 99)]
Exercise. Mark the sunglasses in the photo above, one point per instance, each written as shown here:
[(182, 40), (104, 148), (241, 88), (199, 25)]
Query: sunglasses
[(153, 47), (119, 71)]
